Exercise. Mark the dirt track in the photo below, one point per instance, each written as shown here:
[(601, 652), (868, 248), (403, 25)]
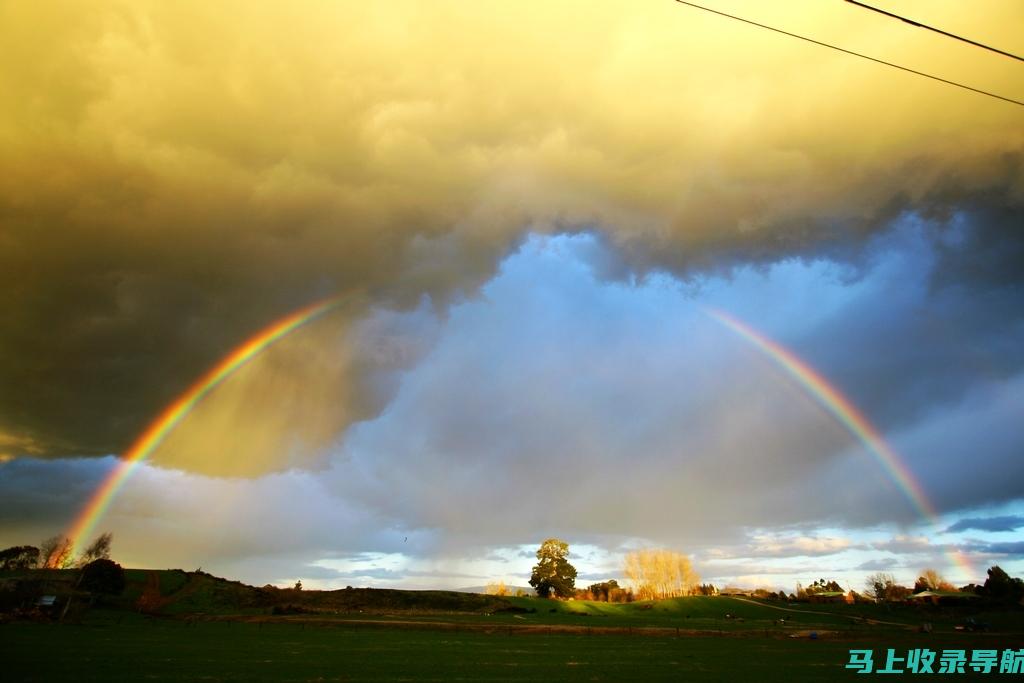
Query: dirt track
[(152, 601), (831, 614), (510, 629)]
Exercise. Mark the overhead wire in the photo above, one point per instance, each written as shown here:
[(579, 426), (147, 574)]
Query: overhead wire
[(918, 24), (855, 54)]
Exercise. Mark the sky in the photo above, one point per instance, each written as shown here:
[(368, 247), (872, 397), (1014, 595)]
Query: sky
[(533, 217)]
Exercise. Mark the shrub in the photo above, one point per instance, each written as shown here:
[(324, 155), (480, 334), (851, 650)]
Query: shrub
[(103, 576)]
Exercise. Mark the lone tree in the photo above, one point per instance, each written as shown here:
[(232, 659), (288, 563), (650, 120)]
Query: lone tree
[(553, 573)]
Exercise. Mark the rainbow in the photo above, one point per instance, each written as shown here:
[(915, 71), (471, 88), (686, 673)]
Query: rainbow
[(829, 398), (90, 514)]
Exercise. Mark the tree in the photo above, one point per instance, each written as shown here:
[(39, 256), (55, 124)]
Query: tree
[(885, 589), (999, 586), (19, 557), (553, 573), (878, 583), (102, 576), (660, 574), (931, 580), (602, 590), (823, 586), (99, 550), (496, 588), (55, 553)]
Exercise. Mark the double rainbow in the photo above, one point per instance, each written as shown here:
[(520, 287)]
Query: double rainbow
[(806, 377), (829, 398), (84, 524)]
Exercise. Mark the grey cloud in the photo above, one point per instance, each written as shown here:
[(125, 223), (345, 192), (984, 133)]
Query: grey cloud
[(385, 574), (880, 565), (904, 544), (1001, 523), (785, 547), (686, 440), (315, 571), (1011, 548)]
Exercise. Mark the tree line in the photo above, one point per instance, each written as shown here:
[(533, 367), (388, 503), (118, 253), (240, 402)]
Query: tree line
[(658, 573), (652, 574), (55, 552)]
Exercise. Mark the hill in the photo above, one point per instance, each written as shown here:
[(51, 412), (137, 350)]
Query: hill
[(177, 592), (199, 595), (512, 590)]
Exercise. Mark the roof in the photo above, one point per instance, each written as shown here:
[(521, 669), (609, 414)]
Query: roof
[(942, 594)]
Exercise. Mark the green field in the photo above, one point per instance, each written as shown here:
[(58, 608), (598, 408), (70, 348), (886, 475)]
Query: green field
[(119, 646)]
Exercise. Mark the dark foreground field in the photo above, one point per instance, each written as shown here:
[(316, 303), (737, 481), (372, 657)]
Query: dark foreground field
[(117, 646)]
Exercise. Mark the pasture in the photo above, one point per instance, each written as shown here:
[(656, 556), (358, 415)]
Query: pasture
[(130, 647)]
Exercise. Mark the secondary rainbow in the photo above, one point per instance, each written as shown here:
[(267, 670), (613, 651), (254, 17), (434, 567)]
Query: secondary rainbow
[(829, 398), (86, 520)]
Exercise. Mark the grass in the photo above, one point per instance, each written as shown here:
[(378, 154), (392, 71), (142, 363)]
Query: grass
[(110, 646)]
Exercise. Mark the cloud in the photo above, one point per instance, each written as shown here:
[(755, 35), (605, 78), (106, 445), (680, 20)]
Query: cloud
[(800, 546), (1012, 548), (777, 545), (1000, 523), (524, 413), (878, 565), (902, 544), (669, 415), (315, 571), (265, 528), (177, 178), (525, 209)]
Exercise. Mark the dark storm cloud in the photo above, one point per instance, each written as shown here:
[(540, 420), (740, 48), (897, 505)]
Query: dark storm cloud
[(175, 179), (1001, 523), (38, 493), (941, 327)]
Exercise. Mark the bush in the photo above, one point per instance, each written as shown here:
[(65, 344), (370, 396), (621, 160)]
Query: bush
[(103, 576)]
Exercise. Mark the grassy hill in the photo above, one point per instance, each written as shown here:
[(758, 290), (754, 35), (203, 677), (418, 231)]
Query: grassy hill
[(177, 592)]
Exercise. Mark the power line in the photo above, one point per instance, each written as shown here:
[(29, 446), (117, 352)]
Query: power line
[(855, 54), (936, 30)]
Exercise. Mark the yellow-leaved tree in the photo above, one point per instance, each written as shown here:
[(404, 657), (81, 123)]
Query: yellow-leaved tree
[(660, 573)]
